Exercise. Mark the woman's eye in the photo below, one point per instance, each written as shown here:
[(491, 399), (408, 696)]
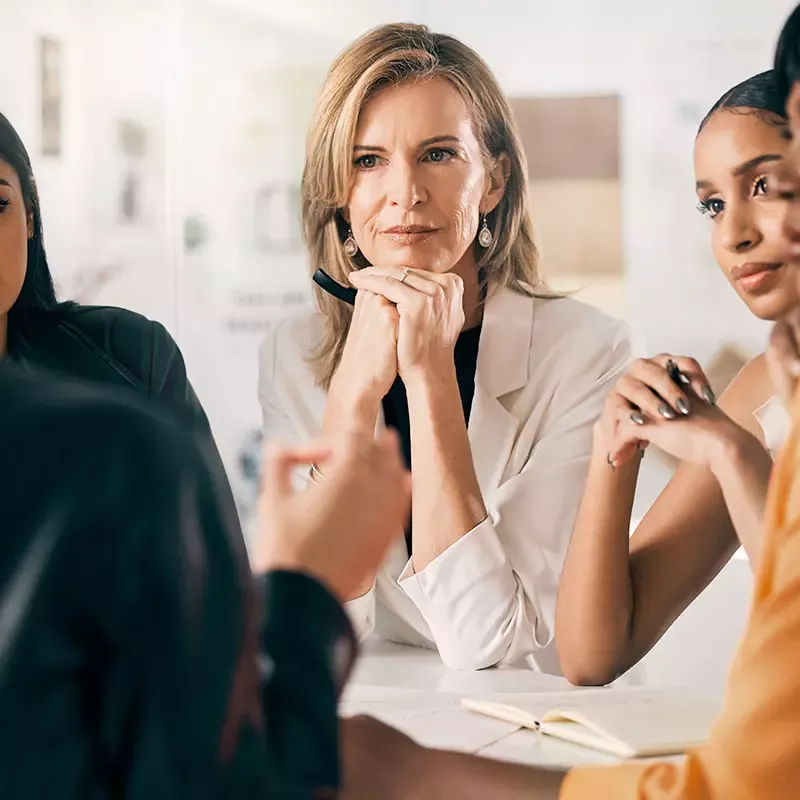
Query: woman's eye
[(760, 187), (4, 204), (712, 206), (367, 162), (438, 155)]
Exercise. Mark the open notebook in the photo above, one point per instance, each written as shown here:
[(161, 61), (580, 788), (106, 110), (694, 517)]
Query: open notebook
[(629, 723)]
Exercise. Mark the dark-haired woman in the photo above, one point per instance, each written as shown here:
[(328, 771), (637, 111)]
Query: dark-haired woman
[(99, 344), (617, 596)]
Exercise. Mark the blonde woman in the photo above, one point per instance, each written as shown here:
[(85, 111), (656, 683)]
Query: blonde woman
[(414, 193)]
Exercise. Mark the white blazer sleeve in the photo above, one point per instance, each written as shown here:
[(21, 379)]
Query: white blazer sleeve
[(490, 598), (278, 425)]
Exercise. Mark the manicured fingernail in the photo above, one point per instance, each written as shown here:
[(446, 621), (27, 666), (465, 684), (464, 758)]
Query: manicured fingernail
[(683, 406), (637, 418), (666, 411), (709, 396)]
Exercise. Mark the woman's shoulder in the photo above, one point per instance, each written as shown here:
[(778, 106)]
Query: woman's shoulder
[(123, 333), (564, 315), (135, 346), (565, 342), (100, 322), (749, 392), (580, 333)]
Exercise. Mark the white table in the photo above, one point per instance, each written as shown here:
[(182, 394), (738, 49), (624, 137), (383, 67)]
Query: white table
[(411, 689)]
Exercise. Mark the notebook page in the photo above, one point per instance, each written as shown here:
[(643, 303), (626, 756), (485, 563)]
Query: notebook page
[(641, 722), (586, 736), (625, 722), (527, 709)]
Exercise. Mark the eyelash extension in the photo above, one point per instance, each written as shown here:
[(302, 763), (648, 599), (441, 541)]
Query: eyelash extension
[(702, 207)]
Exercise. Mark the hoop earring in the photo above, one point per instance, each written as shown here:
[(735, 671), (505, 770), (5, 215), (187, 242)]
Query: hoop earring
[(349, 245), (485, 237)]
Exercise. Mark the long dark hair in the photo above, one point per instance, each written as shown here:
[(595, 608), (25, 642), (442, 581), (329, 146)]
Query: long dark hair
[(759, 95), (37, 294)]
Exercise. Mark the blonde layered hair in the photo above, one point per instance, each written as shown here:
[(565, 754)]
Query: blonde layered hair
[(383, 57)]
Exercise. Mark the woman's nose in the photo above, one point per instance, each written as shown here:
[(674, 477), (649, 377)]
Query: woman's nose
[(739, 233), (406, 189)]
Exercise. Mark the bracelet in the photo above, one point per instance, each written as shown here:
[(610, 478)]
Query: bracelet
[(612, 462)]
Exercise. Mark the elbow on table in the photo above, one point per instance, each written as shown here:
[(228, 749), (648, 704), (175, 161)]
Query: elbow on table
[(580, 671), (469, 655), (588, 677), (466, 661)]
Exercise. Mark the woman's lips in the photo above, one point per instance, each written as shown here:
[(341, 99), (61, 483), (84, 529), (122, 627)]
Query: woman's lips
[(756, 278), (408, 234)]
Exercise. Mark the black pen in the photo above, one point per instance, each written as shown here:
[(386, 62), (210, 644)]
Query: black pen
[(345, 293), (681, 380), (675, 374)]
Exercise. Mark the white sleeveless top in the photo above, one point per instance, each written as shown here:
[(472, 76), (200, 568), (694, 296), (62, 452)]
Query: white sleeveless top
[(775, 421)]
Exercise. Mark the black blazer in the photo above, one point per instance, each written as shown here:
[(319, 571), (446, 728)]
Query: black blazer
[(109, 346)]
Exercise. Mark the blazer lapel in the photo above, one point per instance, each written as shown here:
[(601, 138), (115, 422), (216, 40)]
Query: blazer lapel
[(503, 356)]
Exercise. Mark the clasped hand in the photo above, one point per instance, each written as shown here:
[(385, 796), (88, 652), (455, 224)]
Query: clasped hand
[(648, 406), (405, 322)]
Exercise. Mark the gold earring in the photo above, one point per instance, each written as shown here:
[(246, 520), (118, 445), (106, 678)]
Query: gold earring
[(350, 245), (485, 237)]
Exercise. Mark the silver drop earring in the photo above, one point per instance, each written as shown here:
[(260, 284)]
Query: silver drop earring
[(485, 237), (350, 247)]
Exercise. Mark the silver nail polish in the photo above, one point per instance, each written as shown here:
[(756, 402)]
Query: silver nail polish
[(637, 418), (709, 396), (683, 406), (666, 411)]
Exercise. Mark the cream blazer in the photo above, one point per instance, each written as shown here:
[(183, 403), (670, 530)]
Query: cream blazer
[(544, 369)]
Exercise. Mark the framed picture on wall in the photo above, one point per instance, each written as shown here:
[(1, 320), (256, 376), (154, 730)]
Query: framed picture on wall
[(50, 56), (133, 144)]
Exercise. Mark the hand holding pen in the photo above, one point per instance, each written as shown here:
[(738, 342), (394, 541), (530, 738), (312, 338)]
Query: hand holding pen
[(659, 389)]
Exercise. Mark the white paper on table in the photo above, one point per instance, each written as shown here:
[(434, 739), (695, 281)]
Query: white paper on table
[(429, 718), (395, 707)]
